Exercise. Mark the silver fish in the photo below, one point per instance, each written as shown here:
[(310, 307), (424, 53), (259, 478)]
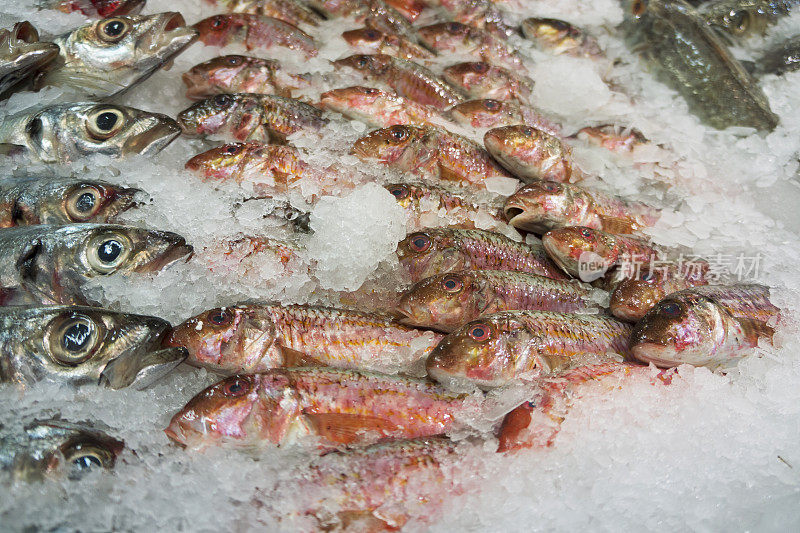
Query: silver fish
[(22, 55)]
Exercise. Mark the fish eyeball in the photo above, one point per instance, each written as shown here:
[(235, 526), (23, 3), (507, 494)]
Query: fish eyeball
[(73, 338), (739, 21), (83, 203), (104, 123), (108, 251), (82, 457), (113, 30)]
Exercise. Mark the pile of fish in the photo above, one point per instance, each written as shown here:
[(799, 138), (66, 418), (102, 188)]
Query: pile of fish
[(584, 298)]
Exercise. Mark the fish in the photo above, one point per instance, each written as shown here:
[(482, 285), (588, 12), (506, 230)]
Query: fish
[(410, 9), (429, 152), (560, 37), (633, 297), (425, 204), (612, 138), (483, 80), (22, 56), (381, 16), (447, 301), (691, 58), (712, 326), (588, 253), (744, 18), (57, 449), (105, 58), (255, 338), (31, 200), (50, 264), (280, 212), (79, 345), (537, 422), (532, 154), (545, 205), (233, 74), (372, 41), (237, 256), (489, 113), (457, 38), (250, 117), (95, 8), (408, 79), (496, 349), (375, 107), (254, 32), (435, 251), (782, 58), (365, 9), (336, 406), (482, 14), (292, 11), (63, 133)]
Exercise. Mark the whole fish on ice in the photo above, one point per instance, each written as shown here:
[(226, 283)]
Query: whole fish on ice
[(241, 74), (255, 32)]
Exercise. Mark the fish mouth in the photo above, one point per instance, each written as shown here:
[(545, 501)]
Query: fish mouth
[(146, 362), (459, 383), (661, 355), (196, 87), (122, 200), (168, 35), (154, 139), (170, 249)]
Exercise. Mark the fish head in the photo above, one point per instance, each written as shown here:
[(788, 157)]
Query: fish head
[(632, 298), (211, 115), (612, 138), (84, 345), (442, 302), (57, 448), (681, 328), (22, 55), (468, 75), (218, 75), (101, 8), (486, 113), (220, 30), (444, 36), (389, 145), (579, 251), (369, 65), (405, 194), (552, 33), (739, 19), (364, 38), (529, 151), (107, 57), (84, 201), (246, 409), (228, 338), (539, 206), (480, 353), (426, 253), (222, 162)]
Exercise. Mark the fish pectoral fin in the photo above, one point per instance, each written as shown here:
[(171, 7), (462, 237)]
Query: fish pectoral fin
[(346, 428), (294, 358)]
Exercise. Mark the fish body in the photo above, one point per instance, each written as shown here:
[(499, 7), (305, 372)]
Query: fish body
[(454, 37), (441, 250), (447, 301), (292, 11), (693, 60), (104, 58), (783, 58), (254, 32), (57, 449), (560, 37), (531, 154), (375, 107), (255, 338), (743, 18), (498, 348), (241, 74), (545, 205), (482, 14), (95, 8), (22, 56), (489, 113), (34, 200), (612, 138), (429, 152), (50, 264), (483, 80), (336, 406), (372, 41), (712, 325), (62, 133), (83, 346), (250, 117), (408, 79), (588, 254)]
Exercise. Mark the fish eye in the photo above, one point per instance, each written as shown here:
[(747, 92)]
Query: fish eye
[(108, 251), (232, 149), (83, 203), (234, 61), (73, 338), (454, 27), (400, 192), (479, 332), (420, 242), (362, 61), (527, 131), (83, 457), (219, 317), (739, 21), (586, 232), (222, 100), (638, 8), (398, 133), (670, 308), (373, 35), (549, 186), (452, 284), (491, 105), (113, 30), (105, 123), (480, 68), (236, 386), (371, 91), (218, 21)]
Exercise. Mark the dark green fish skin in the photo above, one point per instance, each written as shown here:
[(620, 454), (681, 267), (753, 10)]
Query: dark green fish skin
[(80, 345), (56, 448), (781, 59), (31, 200), (692, 59), (51, 264), (743, 18), (22, 56)]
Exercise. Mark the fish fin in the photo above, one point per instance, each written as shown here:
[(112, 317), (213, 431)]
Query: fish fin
[(346, 428), (294, 358)]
